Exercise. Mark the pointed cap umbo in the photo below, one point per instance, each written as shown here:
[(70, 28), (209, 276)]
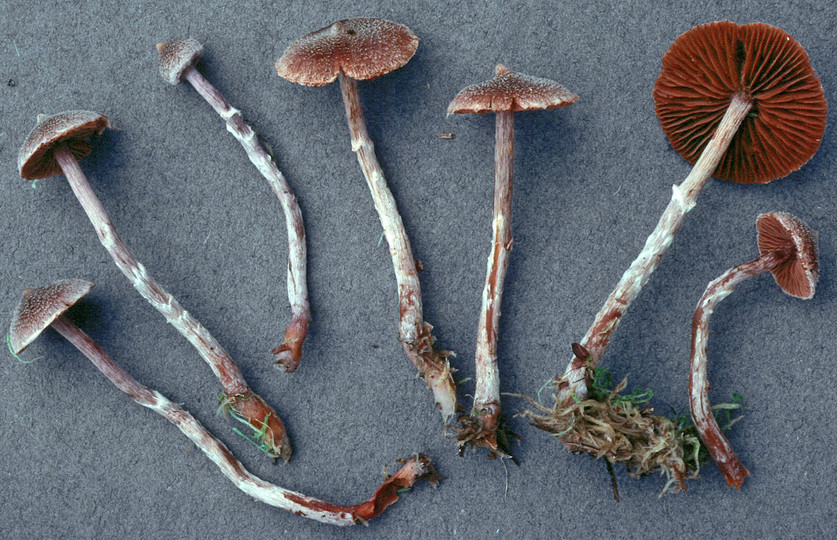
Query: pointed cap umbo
[(362, 48), (35, 159), (708, 64), (510, 91), (38, 308), (779, 231), (177, 56)]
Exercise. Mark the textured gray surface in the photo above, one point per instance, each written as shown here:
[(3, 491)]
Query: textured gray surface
[(79, 459)]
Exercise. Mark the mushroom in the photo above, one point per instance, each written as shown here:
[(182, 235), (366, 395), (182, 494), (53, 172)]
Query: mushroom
[(177, 62), (740, 102), (54, 146), (363, 49), (788, 250), (503, 95), (45, 306)]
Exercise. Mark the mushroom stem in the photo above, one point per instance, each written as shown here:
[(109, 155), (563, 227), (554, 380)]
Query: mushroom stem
[(486, 411), (289, 353), (414, 332), (103, 361), (682, 200), (714, 440), (418, 466), (239, 398)]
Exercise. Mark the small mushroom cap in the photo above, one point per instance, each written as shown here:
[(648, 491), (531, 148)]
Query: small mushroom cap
[(177, 56), (510, 91), (35, 160), (38, 308), (798, 275), (708, 64), (362, 48)]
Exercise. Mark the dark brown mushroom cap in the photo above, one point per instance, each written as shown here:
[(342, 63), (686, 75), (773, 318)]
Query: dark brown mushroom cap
[(38, 308), (779, 231), (510, 91), (363, 48), (35, 160), (176, 57), (710, 63)]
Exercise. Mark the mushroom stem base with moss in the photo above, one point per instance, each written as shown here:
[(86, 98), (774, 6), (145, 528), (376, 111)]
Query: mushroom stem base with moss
[(682, 200), (417, 467), (480, 428), (414, 332), (288, 355), (624, 430), (253, 409)]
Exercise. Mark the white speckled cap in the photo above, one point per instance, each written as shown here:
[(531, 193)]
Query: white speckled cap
[(510, 91), (362, 48), (38, 308)]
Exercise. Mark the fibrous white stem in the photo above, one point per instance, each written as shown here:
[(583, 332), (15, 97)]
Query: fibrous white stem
[(707, 427), (487, 395), (682, 200), (218, 453), (212, 352), (413, 331), (289, 353)]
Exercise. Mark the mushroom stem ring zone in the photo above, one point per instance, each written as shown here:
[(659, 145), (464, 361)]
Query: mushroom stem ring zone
[(177, 62), (63, 137)]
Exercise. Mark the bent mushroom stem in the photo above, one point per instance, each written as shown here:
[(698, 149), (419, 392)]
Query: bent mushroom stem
[(716, 443), (485, 416), (414, 332), (288, 355), (239, 398), (683, 199), (418, 466)]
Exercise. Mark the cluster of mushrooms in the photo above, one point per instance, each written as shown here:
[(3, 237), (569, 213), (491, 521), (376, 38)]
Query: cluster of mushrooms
[(740, 102)]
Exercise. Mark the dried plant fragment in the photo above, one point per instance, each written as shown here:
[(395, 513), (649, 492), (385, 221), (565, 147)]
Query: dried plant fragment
[(622, 429)]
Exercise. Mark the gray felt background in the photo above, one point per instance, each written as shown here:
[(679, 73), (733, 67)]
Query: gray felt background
[(78, 459)]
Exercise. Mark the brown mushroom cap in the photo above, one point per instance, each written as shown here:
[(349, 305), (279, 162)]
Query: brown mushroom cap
[(798, 275), (35, 160), (176, 56), (38, 308), (363, 48), (510, 91), (708, 64)]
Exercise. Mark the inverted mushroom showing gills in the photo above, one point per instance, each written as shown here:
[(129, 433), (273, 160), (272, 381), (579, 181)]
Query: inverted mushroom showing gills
[(177, 62), (53, 147), (45, 306), (740, 102), (788, 251), (363, 49), (505, 94)]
